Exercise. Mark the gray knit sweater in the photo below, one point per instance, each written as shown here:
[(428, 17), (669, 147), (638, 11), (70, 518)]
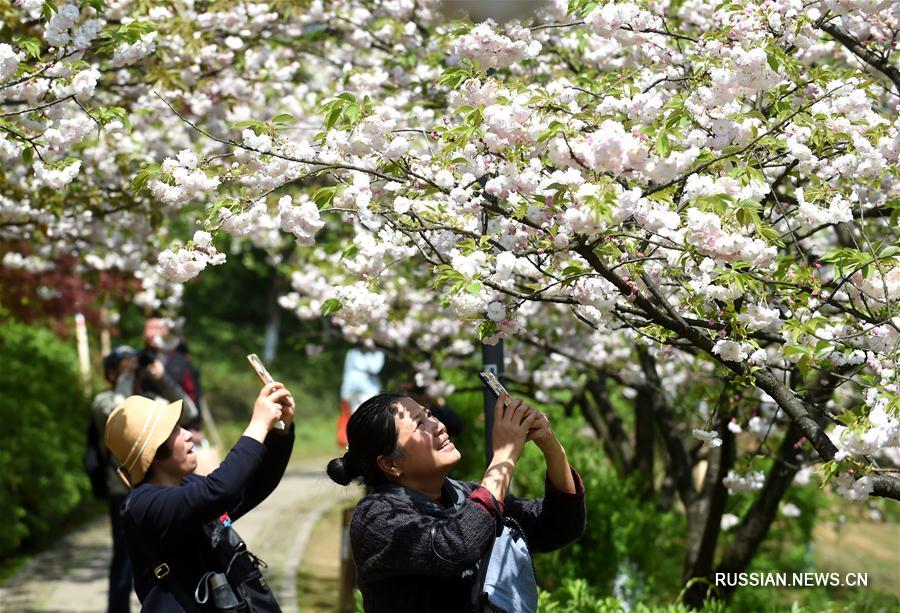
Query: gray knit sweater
[(415, 554)]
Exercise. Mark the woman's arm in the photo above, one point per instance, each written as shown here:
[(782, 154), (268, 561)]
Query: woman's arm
[(558, 470), (553, 521), (279, 445), (558, 518), (171, 511), (511, 425)]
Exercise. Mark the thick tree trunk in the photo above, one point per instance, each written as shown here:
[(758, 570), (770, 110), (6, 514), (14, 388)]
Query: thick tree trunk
[(678, 468), (644, 438), (754, 526)]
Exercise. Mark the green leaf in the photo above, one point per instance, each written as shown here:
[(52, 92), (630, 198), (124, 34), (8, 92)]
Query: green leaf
[(324, 196), (486, 328), (32, 46), (144, 176), (662, 144), (830, 469), (28, 154), (791, 351), (258, 127), (48, 10), (352, 113), (474, 288), (332, 305), (453, 77), (331, 117), (284, 118)]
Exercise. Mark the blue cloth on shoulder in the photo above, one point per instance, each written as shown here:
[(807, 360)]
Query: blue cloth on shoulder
[(509, 583)]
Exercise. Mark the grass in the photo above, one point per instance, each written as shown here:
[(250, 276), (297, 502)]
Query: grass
[(873, 548), (318, 580)]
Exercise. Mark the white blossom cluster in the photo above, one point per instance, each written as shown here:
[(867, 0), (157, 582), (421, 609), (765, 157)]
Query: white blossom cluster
[(852, 488), (180, 265), (741, 484), (490, 49), (130, 53), (710, 439), (9, 62), (189, 180)]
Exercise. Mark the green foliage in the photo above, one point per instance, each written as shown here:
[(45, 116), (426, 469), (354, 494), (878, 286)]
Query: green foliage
[(44, 413), (144, 176), (620, 524), (576, 596), (344, 111), (124, 34)]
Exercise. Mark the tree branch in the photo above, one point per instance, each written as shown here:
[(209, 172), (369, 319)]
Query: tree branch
[(862, 52)]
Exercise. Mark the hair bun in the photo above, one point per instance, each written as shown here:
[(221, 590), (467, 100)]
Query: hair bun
[(340, 470)]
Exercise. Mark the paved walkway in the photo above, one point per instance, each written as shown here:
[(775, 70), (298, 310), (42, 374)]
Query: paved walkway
[(72, 575)]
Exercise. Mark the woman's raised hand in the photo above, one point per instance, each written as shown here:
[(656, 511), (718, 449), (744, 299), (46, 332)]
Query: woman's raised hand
[(273, 403), (541, 433), (511, 425)]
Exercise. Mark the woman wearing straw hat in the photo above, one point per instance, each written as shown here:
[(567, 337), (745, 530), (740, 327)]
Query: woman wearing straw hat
[(169, 509)]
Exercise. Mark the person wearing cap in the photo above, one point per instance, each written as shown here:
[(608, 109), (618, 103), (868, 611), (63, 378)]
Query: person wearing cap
[(168, 506)]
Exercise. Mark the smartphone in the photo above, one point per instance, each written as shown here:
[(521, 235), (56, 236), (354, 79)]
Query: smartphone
[(491, 382), (264, 376)]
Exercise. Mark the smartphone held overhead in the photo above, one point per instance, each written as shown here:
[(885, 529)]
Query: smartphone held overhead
[(491, 381), (264, 376)]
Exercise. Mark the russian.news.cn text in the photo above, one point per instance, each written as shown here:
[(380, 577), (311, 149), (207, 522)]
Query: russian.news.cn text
[(792, 580)]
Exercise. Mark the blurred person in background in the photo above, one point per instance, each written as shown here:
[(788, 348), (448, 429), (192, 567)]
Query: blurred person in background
[(161, 344), (118, 369), (361, 381)]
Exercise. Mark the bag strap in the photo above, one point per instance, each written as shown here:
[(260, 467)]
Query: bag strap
[(161, 571)]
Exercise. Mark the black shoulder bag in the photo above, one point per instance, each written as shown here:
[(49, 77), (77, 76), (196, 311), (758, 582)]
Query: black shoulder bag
[(242, 570)]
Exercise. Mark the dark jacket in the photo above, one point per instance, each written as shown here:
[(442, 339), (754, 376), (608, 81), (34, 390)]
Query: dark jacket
[(413, 553), (171, 519)]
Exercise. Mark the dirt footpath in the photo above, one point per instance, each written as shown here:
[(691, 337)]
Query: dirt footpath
[(72, 575)]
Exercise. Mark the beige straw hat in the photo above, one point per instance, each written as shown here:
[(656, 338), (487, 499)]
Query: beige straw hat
[(135, 430)]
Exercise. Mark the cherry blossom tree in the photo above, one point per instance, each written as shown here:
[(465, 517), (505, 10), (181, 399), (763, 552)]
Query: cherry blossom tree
[(689, 205)]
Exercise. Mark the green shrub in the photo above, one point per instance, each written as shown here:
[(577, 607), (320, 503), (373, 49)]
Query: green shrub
[(624, 536), (44, 415)]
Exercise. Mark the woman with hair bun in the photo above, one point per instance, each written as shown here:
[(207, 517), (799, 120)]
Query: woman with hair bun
[(424, 542)]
